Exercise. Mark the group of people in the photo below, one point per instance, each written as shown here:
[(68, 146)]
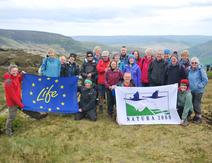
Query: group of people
[(101, 72)]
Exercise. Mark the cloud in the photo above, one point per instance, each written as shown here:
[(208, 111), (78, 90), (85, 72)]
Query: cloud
[(108, 17)]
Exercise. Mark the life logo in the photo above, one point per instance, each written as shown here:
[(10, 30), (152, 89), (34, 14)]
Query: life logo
[(147, 103)]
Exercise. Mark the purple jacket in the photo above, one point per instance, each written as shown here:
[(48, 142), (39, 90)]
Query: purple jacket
[(135, 72), (112, 77)]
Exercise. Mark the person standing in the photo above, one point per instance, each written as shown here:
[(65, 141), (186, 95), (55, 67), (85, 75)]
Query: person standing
[(121, 65), (88, 69), (197, 81), (72, 69), (184, 61), (167, 54), (123, 55), (63, 66), (174, 71), (156, 71), (97, 53), (12, 89), (134, 69), (112, 77), (146, 61), (138, 59), (102, 67), (51, 65)]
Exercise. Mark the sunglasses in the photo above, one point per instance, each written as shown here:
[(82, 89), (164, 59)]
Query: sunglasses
[(193, 62), (90, 56)]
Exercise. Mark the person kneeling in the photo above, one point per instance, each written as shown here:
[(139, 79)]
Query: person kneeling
[(184, 102), (87, 104)]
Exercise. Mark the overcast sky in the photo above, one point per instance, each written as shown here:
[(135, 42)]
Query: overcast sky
[(109, 17)]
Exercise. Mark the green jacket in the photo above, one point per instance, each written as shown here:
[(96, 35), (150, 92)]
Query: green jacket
[(184, 100)]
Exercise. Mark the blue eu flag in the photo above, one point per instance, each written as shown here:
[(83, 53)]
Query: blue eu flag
[(50, 94)]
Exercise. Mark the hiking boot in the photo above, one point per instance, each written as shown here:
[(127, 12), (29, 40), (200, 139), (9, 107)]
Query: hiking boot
[(43, 116), (197, 120), (185, 123)]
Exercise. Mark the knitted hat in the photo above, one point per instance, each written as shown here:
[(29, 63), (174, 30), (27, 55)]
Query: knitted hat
[(184, 82), (88, 81), (174, 55), (167, 51), (131, 56)]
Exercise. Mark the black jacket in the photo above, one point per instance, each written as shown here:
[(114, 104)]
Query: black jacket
[(174, 73), (89, 67), (87, 99), (156, 73)]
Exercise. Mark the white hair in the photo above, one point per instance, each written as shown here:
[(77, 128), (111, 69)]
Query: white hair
[(195, 59), (11, 66), (149, 50)]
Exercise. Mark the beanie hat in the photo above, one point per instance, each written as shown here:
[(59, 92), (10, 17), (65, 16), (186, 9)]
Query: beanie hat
[(167, 51), (88, 81), (184, 82), (131, 56), (174, 55)]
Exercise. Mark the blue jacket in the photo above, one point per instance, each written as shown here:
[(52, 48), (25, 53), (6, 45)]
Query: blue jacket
[(51, 67), (135, 72), (197, 80)]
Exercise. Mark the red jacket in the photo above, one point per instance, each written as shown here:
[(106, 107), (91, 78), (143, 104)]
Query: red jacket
[(139, 62), (112, 77), (12, 88), (101, 66), (144, 69)]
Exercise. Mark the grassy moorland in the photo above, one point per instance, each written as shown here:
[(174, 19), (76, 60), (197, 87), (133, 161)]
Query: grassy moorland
[(61, 139)]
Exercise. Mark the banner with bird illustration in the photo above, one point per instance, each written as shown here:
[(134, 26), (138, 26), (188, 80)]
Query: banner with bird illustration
[(147, 105), (50, 94)]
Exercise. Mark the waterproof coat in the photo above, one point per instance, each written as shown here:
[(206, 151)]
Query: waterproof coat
[(51, 67), (12, 88), (197, 80), (101, 67), (112, 77), (135, 72)]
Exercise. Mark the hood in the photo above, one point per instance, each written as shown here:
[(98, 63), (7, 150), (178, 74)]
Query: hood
[(7, 76)]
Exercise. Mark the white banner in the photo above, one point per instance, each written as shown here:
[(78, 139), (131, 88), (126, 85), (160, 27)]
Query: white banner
[(147, 105)]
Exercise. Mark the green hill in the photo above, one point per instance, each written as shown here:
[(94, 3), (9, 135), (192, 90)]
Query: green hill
[(39, 41), (203, 52)]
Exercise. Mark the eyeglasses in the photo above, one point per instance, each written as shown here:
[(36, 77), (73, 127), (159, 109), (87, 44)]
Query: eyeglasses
[(193, 62)]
